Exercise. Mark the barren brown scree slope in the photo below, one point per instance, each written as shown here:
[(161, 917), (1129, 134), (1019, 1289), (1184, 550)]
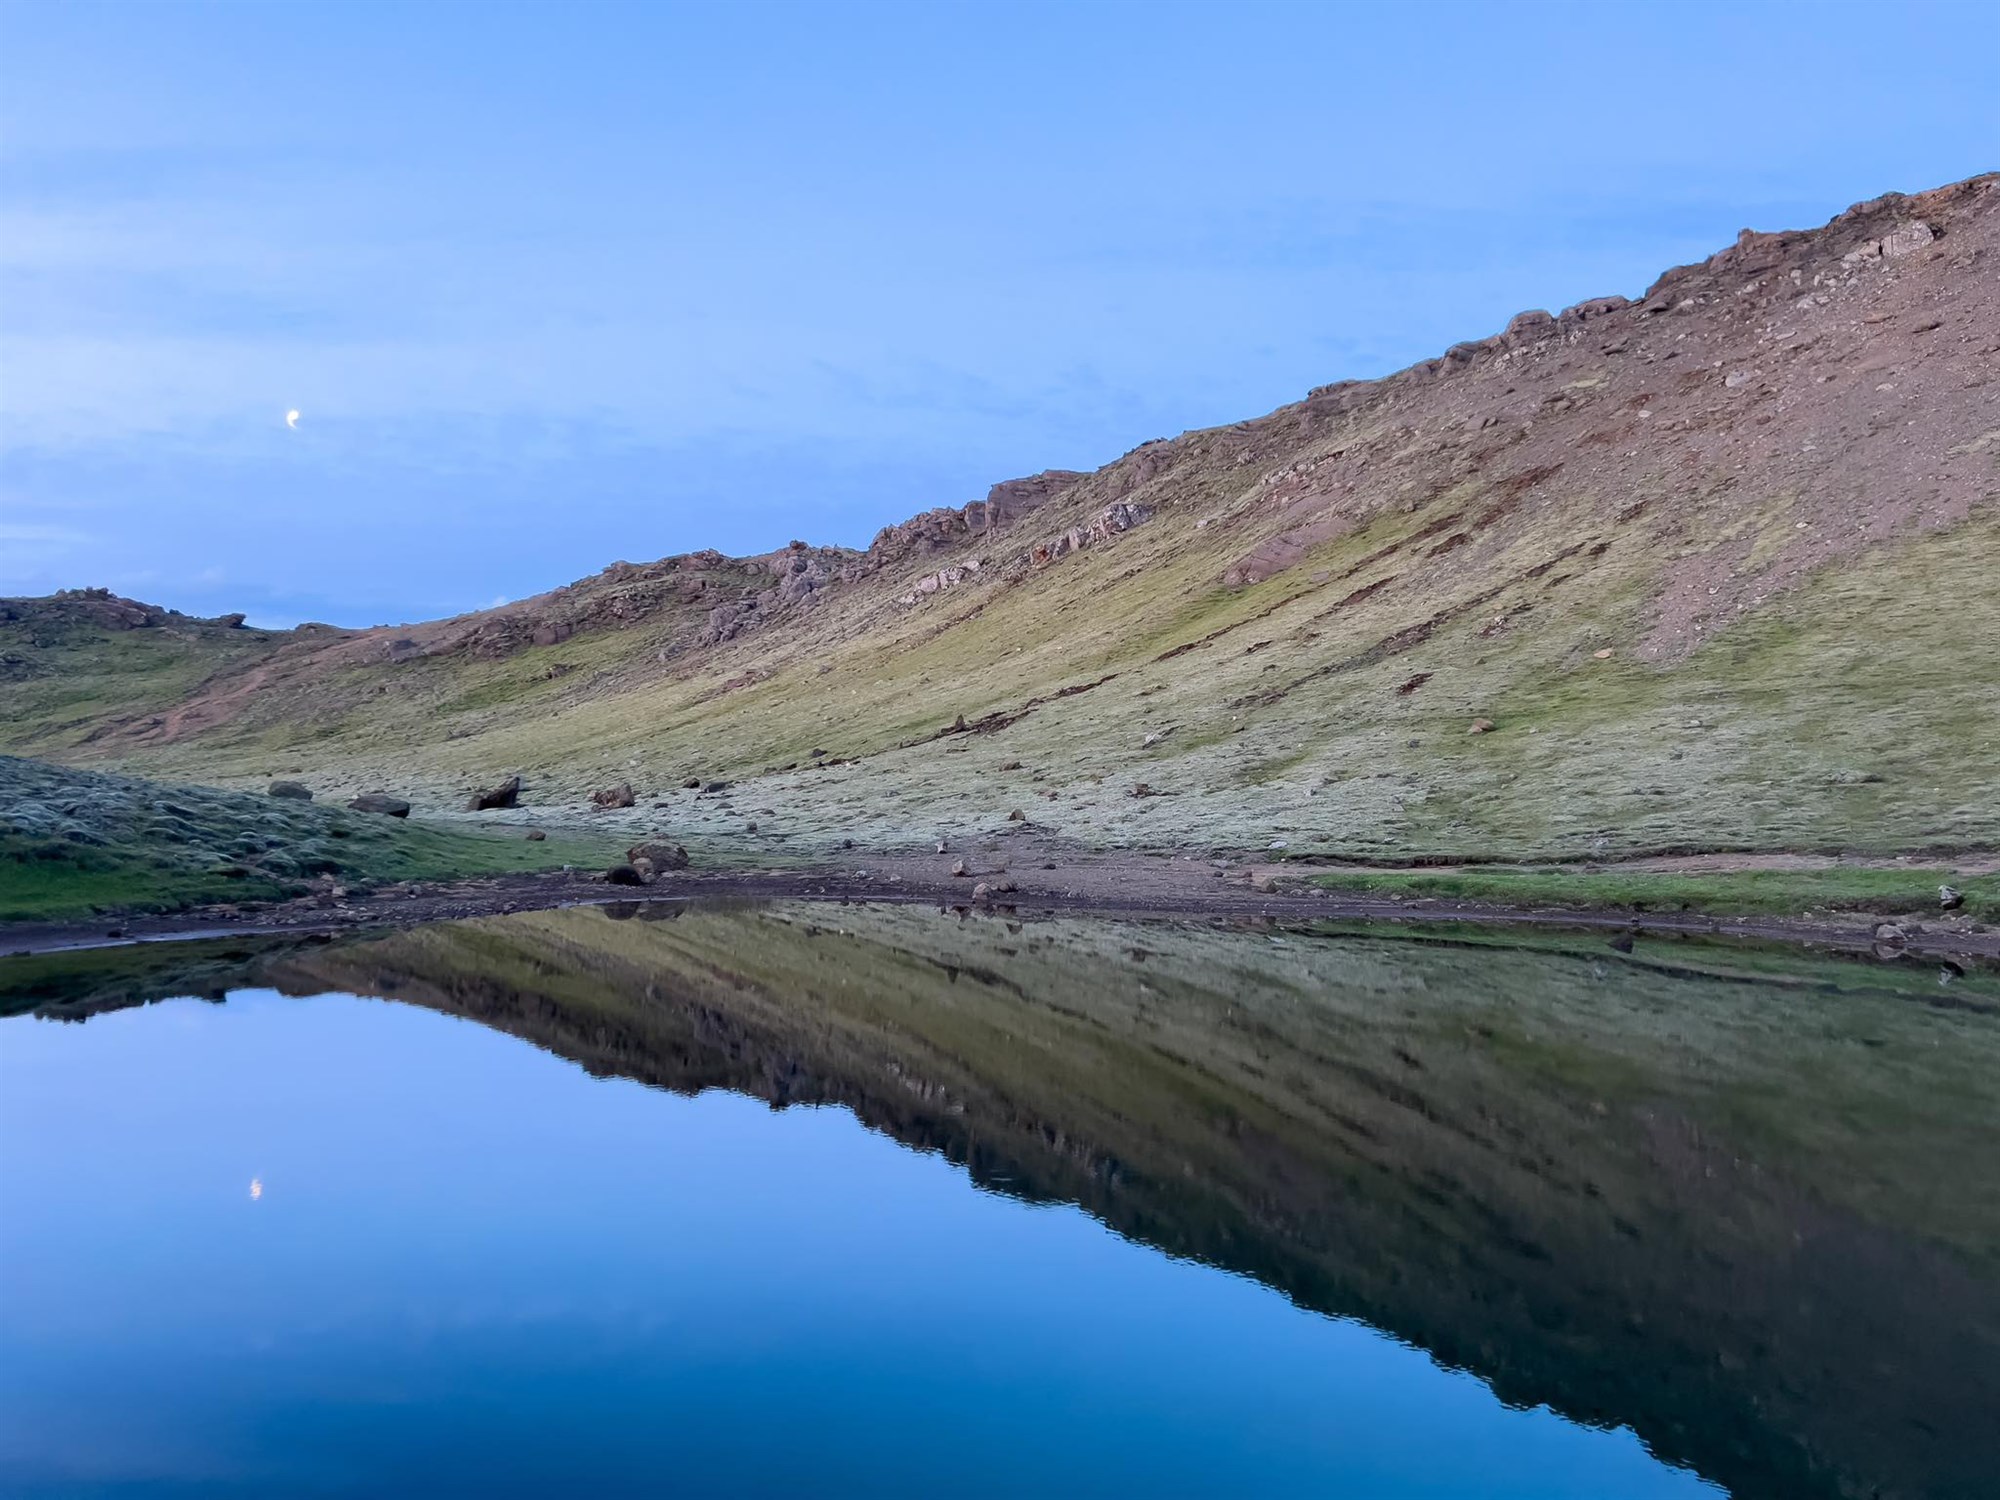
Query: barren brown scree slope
[(1717, 566)]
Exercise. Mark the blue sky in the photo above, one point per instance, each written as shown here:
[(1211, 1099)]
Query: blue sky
[(558, 285)]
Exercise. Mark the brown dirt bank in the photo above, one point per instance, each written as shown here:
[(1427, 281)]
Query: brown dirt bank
[(1050, 882)]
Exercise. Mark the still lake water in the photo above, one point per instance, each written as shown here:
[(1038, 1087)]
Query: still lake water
[(860, 1202)]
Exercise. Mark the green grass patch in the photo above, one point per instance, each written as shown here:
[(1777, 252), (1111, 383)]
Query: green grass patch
[(74, 843), (1733, 893), (40, 884), (34, 890)]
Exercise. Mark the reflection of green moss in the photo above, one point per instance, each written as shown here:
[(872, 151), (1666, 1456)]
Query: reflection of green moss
[(1571, 1021), (1743, 892), (76, 984)]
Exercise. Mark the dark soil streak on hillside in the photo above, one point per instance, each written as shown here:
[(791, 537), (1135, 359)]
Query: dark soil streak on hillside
[(993, 723)]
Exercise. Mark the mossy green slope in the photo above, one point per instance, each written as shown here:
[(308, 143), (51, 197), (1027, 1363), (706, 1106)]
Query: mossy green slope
[(1857, 712)]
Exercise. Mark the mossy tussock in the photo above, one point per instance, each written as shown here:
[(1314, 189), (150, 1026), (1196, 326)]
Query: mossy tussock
[(74, 842)]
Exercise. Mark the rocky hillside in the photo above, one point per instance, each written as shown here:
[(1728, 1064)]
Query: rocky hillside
[(1707, 567)]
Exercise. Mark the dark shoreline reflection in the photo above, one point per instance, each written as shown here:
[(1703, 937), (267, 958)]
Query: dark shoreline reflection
[(1741, 1201)]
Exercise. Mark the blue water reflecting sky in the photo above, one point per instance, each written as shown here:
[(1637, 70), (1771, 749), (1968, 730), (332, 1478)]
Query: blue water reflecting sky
[(468, 1266)]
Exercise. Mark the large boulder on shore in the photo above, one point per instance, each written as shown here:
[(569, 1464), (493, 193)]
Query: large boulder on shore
[(658, 855), (615, 796), (380, 802), (292, 791), (506, 794)]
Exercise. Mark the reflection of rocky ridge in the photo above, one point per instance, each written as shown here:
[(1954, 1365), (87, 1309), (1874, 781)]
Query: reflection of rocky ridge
[(75, 986), (1750, 1222)]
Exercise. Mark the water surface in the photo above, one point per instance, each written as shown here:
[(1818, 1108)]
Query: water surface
[(1054, 1207)]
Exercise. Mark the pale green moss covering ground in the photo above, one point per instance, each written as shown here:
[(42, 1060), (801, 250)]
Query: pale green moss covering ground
[(72, 843), (1790, 893)]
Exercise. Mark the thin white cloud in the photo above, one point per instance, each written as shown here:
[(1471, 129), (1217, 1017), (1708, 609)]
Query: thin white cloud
[(13, 534), (30, 553)]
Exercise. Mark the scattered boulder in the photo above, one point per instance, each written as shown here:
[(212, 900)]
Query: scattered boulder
[(1017, 816), (987, 889), (615, 796), (1482, 726), (623, 875), (1010, 765), (292, 790), (1526, 327), (379, 802), (1904, 239), (1950, 898), (659, 854), (715, 786), (506, 794), (958, 868), (692, 784), (536, 836)]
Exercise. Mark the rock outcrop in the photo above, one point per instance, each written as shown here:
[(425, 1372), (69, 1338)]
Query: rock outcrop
[(506, 794), (655, 856), (1005, 505)]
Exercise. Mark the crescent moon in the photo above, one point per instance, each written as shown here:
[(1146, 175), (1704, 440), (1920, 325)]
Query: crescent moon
[(292, 420)]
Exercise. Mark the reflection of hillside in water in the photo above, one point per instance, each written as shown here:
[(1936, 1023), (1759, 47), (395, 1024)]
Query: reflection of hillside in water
[(1752, 1216)]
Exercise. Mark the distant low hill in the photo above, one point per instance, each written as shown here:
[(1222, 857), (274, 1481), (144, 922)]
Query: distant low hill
[(1715, 564)]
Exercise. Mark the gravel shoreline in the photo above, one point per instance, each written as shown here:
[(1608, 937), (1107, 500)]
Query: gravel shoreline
[(1130, 885)]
